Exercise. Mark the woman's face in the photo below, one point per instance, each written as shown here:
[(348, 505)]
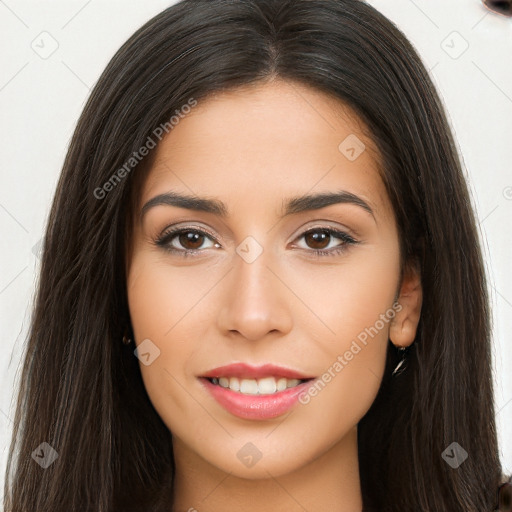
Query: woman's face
[(272, 270)]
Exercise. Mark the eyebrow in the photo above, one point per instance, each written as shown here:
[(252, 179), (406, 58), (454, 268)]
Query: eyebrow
[(291, 206)]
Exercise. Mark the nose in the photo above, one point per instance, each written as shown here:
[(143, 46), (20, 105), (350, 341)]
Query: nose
[(255, 301)]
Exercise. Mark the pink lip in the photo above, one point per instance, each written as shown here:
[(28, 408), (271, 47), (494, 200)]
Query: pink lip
[(246, 371), (255, 407)]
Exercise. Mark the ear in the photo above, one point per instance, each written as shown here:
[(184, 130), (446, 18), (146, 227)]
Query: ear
[(402, 330)]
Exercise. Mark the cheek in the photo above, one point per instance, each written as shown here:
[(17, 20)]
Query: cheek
[(162, 298), (348, 298), (353, 308), (167, 307), (355, 304)]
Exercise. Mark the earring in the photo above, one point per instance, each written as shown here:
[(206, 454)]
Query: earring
[(401, 351), (126, 340)]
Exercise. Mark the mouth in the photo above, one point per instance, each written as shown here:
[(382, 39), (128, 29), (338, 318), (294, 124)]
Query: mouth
[(255, 392)]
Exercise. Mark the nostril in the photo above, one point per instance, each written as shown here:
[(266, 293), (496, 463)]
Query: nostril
[(503, 7)]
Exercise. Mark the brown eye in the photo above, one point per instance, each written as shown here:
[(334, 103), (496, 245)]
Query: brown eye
[(184, 241), (318, 239), (191, 239)]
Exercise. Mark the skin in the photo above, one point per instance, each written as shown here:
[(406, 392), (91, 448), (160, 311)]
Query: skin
[(252, 149)]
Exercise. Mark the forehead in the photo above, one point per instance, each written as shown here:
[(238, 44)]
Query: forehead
[(253, 145)]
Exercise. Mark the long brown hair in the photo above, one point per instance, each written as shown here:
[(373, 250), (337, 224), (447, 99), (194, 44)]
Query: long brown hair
[(81, 390)]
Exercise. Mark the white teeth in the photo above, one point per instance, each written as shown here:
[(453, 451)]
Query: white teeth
[(234, 384), (281, 384), (249, 386), (265, 386)]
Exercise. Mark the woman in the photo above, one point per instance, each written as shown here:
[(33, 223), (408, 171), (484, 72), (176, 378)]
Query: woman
[(199, 345)]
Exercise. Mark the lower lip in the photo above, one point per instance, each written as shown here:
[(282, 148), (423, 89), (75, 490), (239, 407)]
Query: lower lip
[(256, 407)]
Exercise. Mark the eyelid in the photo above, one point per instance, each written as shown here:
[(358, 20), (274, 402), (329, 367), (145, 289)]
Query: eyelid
[(326, 224), (176, 228)]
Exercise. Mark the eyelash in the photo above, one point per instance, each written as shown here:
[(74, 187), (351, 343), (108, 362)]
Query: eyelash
[(164, 241)]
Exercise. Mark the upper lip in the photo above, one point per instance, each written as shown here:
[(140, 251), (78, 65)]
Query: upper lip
[(246, 371)]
